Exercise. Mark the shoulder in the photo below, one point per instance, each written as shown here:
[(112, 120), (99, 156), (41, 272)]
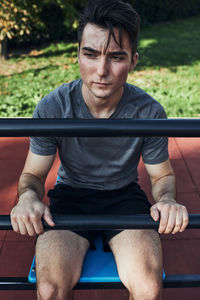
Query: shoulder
[(56, 103), (145, 105)]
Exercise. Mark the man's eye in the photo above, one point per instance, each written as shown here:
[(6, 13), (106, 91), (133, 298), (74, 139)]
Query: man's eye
[(90, 55), (117, 58)]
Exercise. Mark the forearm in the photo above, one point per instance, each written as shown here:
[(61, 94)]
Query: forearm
[(164, 188), (31, 183), (173, 216)]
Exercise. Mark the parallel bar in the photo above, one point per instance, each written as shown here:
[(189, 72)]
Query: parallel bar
[(102, 222), (16, 283), (99, 127), (182, 281), (171, 281)]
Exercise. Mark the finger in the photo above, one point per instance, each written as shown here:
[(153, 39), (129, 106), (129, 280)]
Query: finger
[(171, 219), (178, 221), (164, 215), (37, 224), (48, 217), (14, 224), (30, 229), (185, 220), (154, 212), (22, 228)]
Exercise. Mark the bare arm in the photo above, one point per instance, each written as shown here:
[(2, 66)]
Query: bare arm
[(34, 173), (26, 215), (173, 216)]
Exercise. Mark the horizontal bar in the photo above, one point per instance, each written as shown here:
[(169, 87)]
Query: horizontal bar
[(99, 127), (102, 222), (170, 281), (182, 281), (16, 283)]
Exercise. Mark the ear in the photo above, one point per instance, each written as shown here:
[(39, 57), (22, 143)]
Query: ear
[(134, 61)]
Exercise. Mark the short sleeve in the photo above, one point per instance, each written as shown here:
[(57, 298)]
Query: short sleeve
[(42, 145), (155, 149)]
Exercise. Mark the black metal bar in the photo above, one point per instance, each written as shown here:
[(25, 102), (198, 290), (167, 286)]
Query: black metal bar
[(99, 127), (182, 281), (171, 281), (16, 283), (102, 222)]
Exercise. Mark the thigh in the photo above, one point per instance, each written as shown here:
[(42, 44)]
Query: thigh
[(138, 256), (59, 257), (130, 201)]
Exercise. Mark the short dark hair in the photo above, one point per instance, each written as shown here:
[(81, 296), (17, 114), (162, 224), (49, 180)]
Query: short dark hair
[(111, 14)]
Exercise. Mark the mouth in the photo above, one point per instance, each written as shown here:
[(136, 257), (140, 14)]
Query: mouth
[(103, 84)]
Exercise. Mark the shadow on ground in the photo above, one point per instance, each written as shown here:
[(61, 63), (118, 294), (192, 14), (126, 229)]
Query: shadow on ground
[(45, 51), (170, 44)]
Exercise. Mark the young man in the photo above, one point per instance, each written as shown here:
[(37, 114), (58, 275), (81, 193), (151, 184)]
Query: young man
[(99, 175)]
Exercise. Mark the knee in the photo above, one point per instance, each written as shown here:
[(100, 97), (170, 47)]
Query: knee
[(47, 291), (149, 289)]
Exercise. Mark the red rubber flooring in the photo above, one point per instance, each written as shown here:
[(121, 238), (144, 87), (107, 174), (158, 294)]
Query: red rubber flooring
[(181, 252)]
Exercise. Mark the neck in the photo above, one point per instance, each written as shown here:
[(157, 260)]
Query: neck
[(101, 107)]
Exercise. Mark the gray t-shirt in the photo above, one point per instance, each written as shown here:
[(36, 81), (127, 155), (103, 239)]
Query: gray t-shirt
[(103, 163)]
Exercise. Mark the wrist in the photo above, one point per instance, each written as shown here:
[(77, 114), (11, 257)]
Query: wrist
[(28, 194), (167, 199), (32, 184)]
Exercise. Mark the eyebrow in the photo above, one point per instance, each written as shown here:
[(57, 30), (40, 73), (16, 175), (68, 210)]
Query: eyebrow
[(89, 49)]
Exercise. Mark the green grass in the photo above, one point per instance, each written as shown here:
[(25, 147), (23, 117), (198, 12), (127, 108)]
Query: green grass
[(168, 69)]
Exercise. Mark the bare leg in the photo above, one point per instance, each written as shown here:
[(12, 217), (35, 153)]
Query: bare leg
[(59, 258), (138, 256)]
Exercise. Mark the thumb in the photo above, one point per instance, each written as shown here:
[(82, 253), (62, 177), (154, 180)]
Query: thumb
[(48, 217), (155, 213)]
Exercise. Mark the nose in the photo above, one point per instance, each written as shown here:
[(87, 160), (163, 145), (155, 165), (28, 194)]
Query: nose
[(102, 67)]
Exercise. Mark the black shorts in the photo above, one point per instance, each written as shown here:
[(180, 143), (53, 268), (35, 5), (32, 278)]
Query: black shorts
[(128, 200)]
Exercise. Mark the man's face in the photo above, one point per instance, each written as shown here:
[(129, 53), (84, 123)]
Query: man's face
[(104, 71)]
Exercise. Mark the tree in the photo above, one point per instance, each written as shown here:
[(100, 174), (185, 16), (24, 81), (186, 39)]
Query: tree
[(72, 9), (16, 18)]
